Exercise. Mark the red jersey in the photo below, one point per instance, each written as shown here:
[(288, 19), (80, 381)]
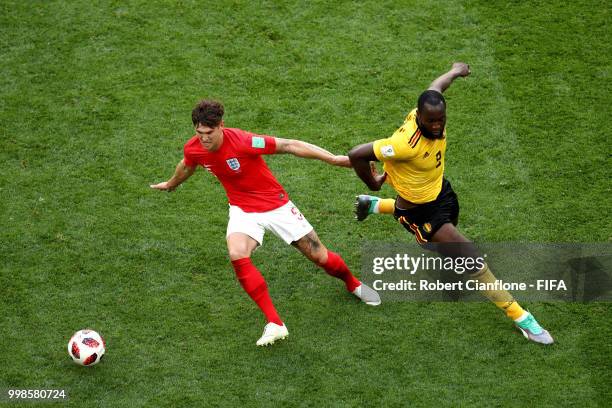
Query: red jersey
[(248, 182)]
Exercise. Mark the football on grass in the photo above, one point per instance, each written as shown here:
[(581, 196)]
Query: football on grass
[(86, 347)]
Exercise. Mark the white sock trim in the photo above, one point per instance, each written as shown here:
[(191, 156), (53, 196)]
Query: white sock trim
[(522, 317), (376, 209)]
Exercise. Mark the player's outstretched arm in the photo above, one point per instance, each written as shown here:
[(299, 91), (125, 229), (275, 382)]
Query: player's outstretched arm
[(181, 173), (362, 158), (459, 69), (309, 151)]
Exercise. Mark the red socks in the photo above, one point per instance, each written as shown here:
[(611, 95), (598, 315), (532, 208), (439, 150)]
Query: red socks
[(254, 284), (336, 267)]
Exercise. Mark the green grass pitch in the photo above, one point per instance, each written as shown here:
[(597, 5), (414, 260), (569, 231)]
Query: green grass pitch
[(95, 102)]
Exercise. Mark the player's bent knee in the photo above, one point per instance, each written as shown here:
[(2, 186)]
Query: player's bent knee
[(320, 259), (240, 246), (320, 255), (239, 253)]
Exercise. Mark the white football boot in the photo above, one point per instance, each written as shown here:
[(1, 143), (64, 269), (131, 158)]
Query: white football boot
[(271, 333), (367, 295)]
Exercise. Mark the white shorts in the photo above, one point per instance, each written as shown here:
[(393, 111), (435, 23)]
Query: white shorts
[(286, 222)]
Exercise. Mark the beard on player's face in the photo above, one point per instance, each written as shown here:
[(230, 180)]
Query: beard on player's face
[(431, 121), (431, 134)]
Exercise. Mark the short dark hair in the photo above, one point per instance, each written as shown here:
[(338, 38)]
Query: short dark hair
[(208, 113), (430, 97)]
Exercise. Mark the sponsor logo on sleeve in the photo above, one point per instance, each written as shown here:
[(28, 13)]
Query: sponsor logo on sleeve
[(387, 151), (258, 142)]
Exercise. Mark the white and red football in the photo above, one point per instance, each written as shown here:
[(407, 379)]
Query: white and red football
[(86, 347)]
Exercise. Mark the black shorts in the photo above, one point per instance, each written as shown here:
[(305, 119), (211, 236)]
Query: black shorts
[(424, 220)]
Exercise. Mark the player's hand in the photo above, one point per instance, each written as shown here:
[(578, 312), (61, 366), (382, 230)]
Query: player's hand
[(163, 186), (378, 178), (462, 69), (342, 161)]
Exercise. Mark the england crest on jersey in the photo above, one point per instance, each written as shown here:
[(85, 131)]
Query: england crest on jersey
[(233, 163)]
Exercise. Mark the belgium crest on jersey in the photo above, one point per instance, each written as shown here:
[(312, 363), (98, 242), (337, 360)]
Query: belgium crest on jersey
[(233, 163)]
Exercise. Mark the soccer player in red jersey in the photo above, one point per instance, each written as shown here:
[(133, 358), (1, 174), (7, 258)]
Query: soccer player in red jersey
[(257, 202)]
